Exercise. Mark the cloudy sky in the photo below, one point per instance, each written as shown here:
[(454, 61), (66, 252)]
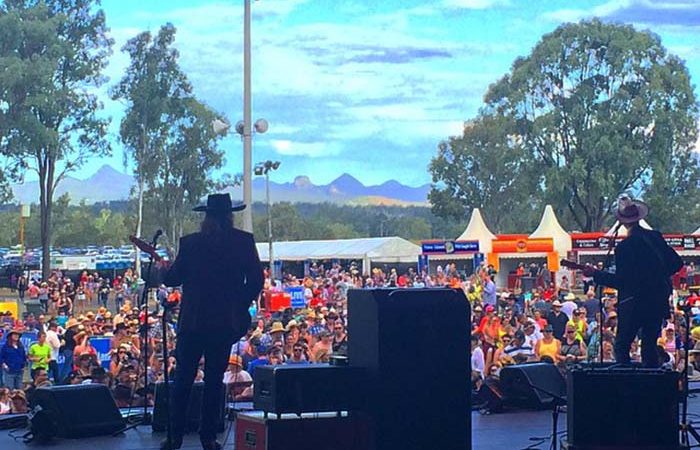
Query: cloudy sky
[(366, 87)]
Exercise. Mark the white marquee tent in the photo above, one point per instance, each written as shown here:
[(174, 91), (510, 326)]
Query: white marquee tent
[(549, 227), (382, 249), (696, 232), (478, 231)]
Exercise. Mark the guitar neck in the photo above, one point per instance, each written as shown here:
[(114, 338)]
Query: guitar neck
[(571, 264)]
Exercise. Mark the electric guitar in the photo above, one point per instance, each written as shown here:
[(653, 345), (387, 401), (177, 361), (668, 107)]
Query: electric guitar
[(146, 248), (572, 265)]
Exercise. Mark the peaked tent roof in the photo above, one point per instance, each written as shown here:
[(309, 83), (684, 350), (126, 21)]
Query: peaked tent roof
[(549, 227), (623, 231), (696, 232), (478, 231), (382, 249)]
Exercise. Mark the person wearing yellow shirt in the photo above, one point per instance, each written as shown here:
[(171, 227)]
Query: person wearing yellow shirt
[(578, 321), (39, 354)]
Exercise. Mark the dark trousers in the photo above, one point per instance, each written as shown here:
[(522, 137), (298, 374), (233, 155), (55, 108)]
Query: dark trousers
[(53, 372), (189, 350), (630, 321)]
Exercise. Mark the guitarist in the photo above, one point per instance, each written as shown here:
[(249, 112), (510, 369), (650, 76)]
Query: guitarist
[(644, 265), (220, 274)]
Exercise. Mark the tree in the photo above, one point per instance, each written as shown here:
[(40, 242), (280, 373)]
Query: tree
[(166, 131), (52, 53), (152, 89), (484, 168), (598, 110)]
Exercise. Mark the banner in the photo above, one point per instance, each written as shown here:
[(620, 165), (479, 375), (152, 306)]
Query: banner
[(297, 293), (449, 247)]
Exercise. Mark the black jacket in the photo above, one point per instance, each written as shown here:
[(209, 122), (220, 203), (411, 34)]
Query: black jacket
[(220, 277), (644, 264)]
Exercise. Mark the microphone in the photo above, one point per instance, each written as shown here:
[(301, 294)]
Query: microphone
[(158, 234)]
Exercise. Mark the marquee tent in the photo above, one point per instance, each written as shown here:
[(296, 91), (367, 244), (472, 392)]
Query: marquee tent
[(549, 227), (382, 249), (478, 231), (696, 232)]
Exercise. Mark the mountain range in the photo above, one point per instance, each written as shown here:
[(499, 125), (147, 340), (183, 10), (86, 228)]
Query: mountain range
[(108, 184)]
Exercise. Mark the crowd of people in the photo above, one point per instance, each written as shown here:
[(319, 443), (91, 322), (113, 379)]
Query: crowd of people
[(548, 323)]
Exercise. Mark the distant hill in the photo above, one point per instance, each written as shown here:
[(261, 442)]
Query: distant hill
[(108, 184)]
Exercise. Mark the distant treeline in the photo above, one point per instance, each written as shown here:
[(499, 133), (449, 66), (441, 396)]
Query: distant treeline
[(110, 223)]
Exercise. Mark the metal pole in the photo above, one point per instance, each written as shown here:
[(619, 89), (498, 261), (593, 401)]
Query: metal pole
[(247, 126), (269, 226)]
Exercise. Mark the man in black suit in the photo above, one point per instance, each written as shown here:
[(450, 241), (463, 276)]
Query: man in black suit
[(644, 264), (220, 274)]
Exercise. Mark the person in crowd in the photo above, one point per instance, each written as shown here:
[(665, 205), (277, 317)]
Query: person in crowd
[(340, 339), (548, 348), (239, 383), (571, 350), (54, 341), (5, 402), (13, 359), (39, 354), (557, 319)]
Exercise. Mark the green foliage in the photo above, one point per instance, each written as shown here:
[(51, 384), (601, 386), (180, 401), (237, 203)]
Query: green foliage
[(166, 131), (52, 54), (596, 110)]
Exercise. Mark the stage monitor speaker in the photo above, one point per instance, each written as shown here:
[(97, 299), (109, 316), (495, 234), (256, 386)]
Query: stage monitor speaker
[(519, 384), (80, 410), (622, 408), (307, 388), (194, 408), (414, 345)]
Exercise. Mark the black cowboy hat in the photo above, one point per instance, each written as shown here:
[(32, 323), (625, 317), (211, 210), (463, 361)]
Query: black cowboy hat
[(220, 203)]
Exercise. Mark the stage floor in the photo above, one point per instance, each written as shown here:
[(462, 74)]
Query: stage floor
[(510, 430)]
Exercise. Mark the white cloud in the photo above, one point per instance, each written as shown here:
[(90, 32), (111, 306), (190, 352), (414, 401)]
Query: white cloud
[(308, 149), (574, 15), (475, 4)]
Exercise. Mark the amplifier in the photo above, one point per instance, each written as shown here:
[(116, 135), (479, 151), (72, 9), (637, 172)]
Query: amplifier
[(622, 408), (306, 388), (318, 431)]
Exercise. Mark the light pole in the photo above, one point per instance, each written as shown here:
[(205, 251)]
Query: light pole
[(264, 168)]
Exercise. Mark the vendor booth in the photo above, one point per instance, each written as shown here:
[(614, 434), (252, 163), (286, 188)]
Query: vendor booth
[(467, 251), (508, 250)]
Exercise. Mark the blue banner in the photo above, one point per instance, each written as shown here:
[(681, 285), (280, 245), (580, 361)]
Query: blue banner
[(297, 293), (450, 247), (101, 344)]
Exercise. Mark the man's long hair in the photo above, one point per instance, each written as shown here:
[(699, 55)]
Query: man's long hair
[(217, 224)]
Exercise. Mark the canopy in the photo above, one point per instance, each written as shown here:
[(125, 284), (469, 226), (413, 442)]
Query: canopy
[(383, 249), (549, 227), (478, 231), (623, 230), (696, 232)]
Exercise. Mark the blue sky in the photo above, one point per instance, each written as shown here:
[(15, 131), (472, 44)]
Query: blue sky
[(365, 87)]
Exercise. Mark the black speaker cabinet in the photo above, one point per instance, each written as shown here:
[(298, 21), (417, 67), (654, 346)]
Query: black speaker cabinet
[(306, 388), (414, 344), (532, 385), (194, 408), (80, 410), (622, 408)]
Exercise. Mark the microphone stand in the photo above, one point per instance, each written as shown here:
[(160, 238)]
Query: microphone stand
[(145, 419), (557, 402), (599, 288)]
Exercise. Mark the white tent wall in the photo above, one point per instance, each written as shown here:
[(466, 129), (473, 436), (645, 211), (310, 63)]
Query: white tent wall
[(366, 250)]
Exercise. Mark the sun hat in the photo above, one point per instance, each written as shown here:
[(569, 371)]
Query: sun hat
[(72, 322), (630, 210), (235, 360), (556, 303), (219, 203), (277, 327)]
